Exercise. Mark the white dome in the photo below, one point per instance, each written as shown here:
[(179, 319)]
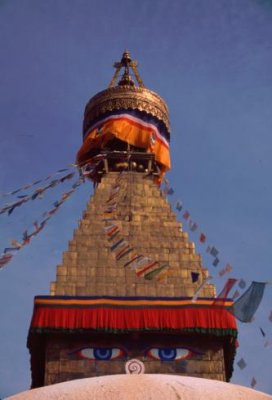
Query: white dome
[(141, 387)]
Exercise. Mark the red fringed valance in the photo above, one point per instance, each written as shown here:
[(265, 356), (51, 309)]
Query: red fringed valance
[(129, 314)]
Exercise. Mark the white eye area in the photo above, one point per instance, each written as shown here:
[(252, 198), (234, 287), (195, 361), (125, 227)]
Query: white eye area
[(183, 353), (87, 353)]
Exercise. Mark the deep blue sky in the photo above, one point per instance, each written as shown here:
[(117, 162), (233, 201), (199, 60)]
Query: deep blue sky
[(211, 60)]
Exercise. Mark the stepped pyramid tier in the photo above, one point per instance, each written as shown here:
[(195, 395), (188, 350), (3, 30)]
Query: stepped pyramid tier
[(145, 220), (124, 288)]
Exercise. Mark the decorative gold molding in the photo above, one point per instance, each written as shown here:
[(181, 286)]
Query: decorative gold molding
[(126, 97)]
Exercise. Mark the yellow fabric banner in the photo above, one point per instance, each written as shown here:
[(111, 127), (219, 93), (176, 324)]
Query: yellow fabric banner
[(131, 130)]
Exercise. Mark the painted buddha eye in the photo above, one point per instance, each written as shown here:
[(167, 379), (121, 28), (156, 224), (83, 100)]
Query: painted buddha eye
[(101, 353), (169, 353)]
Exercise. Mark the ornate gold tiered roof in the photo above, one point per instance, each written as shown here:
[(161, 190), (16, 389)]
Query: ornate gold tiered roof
[(126, 95)]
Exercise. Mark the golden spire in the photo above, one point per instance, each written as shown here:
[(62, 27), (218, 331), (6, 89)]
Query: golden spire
[(126, 63)]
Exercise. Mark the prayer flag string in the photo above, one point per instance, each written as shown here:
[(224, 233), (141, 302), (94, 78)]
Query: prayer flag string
[(9, 252), (38, 193), (245, 305), (29, 185), (143, 266)]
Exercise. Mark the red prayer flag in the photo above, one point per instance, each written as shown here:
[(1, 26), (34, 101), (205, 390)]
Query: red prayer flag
[(227, 288), (4, 259)]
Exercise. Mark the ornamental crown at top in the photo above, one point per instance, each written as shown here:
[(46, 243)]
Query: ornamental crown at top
[(124, 94)]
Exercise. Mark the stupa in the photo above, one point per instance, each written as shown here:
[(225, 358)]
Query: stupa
[(124, 289)]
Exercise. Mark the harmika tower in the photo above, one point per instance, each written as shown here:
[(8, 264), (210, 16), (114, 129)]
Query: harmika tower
[(124, 288)]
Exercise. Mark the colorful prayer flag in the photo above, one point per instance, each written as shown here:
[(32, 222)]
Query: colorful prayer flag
[(228, 268), (155, 272), (227, 288), (118, 244), (9, 249), (142, 260), (110, 209), (214, 252), (222, 272), (245, 307), (241, 363), (242, 284), (123, 250), (110, 219), (142, 271), (113, 231), (179, 205), (139, 262), (67, 177), (36, 193), (253, 383), (125, 253), (76, 184), (15, 191), (186, 215), (202, 238), (53, 183), (236, 295), (62, 170), (262, 332), (108, 228), (14, 243), (134, 258), (113, 235), (193, 226), (216, 262), (4, 259)]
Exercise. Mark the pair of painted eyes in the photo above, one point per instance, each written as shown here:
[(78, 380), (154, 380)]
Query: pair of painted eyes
[(163, 354)]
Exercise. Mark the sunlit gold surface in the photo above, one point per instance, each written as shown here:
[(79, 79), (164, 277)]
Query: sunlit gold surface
[(126, 97)]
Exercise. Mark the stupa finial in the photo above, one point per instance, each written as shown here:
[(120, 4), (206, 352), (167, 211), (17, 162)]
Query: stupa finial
[(126, 80)]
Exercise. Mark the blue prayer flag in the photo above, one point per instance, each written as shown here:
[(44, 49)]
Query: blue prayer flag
[(242, 284), (214, 252), (245, 307), (241, 363), (253, 382), (262, 332), (179, 206), (62, 170), (216, 262)]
